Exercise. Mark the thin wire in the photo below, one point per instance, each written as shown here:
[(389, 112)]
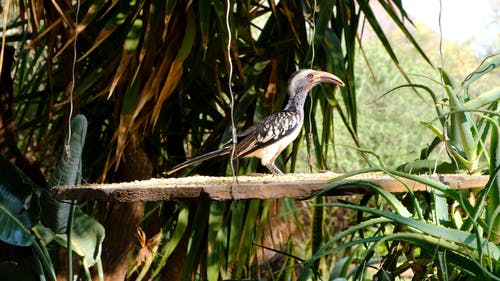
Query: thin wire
[(230, 79), (441, 39), (73, 82), (310, 135), (68, 145), (441, 57)]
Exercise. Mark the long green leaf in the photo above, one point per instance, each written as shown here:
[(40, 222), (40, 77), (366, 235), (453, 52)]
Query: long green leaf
[(195, 250), (489, 64), (15, 203), (389, 197), (68, 172), (217, 235), (175, 238), (395, 18), (86, 239), (459, 238), (457, 259), (485, 98), (204, 12), (317, 229), (440, 207), (249, 230), (494, 193)]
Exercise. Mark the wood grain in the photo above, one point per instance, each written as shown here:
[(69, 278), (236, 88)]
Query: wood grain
[(248, 187)]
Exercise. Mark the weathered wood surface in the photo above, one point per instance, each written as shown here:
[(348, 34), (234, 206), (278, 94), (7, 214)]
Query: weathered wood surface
[(247, 187)]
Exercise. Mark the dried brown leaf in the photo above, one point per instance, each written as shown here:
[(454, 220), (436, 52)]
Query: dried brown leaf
[(173, 78), (152, 86), (271, 87), (61, 13), (45, 32), (103, 35), (122, 135), (120, 72)]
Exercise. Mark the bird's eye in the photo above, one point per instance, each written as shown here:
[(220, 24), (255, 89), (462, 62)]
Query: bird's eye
[(310, 76)]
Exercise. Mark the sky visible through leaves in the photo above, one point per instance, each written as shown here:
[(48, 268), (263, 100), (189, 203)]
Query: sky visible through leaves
[(461, 20)]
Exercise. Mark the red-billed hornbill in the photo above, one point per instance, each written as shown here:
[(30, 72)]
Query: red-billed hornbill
[(269, 138)]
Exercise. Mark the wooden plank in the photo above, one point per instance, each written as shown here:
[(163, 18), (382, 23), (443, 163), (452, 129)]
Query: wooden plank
[(248, 187)]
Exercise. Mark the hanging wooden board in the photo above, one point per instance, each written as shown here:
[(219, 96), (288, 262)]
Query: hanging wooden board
[(247, 187)]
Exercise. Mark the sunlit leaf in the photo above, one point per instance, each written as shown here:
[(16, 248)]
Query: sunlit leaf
[(86, 238), (15, 196)]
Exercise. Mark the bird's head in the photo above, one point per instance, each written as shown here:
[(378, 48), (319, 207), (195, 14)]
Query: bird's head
[(305, 79)]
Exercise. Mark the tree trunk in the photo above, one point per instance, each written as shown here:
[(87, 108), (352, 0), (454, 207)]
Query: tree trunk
[(123, 218)]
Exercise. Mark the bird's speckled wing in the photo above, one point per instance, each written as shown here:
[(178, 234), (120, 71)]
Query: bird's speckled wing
[(272, 129)]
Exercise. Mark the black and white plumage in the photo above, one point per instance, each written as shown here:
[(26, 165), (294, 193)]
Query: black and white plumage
[(267, 139)]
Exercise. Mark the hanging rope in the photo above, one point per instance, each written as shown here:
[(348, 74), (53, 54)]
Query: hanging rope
[(69, 231), (67, 145), (310, 135), (441, 56), (232, 160)]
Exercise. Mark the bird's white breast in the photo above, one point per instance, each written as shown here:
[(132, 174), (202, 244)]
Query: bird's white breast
[(268, 154)]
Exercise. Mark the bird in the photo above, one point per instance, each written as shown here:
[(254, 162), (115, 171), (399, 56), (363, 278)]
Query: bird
[(267, 139)]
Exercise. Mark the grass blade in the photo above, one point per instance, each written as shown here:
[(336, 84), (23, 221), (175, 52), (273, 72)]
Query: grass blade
[(459, 240)]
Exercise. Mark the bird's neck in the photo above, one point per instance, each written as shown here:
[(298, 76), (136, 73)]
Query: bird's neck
[(296, 103)]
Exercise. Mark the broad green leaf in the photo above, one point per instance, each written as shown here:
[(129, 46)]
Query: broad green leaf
[(440, 207), (485, 98), (86, 238), (55, 213), (15, 203)]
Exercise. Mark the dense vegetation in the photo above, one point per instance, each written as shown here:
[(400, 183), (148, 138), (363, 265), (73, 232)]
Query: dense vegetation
[(146, 85)]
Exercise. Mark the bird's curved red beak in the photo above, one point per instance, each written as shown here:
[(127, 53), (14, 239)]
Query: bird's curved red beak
[(326, 77)]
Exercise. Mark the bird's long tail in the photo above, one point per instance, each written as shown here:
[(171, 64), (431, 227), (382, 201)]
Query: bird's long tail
[(223, 151)]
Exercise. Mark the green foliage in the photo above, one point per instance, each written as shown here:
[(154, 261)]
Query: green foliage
[(86, 238), (449, 235), (419, 243), (154, 75), (15, 203), (28, 224), (464, 135), (390, 113), (55, 213)]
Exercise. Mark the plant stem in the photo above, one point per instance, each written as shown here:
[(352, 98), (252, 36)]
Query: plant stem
[(69, 232), (44, 256)]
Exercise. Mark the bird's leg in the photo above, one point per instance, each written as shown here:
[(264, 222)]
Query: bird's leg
[(273, 169)]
